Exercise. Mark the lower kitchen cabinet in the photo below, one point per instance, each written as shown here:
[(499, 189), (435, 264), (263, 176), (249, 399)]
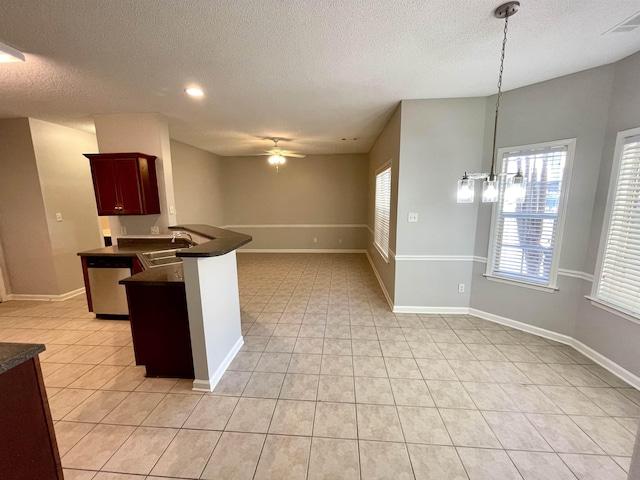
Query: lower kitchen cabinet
[(28, 447), (160, 328)]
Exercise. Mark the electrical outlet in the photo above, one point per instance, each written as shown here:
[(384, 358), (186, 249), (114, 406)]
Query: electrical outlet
[(172, 210), (58, 217), (315, 239), (155, 230), (123, 230), (461, 288), (413, 217)]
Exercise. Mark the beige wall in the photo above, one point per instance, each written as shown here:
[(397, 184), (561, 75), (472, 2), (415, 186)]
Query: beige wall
[(319, 190), (146, 133), (30, 267), (66, 186), (197, 183)]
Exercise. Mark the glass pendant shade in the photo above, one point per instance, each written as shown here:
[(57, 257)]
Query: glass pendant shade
[(516, 189), (465, 190), (276, 159), (490, 191)]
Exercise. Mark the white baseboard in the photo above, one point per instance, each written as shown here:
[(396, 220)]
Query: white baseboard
[(587, 351), (209, 385), (375, 271), (202, 386), (428, 310), (300, 250), (607, 363), (46, 298), (525, 327)]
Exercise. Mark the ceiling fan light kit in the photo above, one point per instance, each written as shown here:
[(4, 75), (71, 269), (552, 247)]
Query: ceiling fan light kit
[(516, 186), (277, 159), (278, 156)]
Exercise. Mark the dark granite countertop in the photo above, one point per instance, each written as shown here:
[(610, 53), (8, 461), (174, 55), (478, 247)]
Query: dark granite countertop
[(13, 354), (122, 250), (222, 241), (167, 274), (130, 247)]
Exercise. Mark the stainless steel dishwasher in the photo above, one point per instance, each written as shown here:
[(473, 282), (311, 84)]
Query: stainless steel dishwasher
[(108, 297)]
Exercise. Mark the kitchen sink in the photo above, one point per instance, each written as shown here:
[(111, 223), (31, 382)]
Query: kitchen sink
[(160, 258), (160, 254)]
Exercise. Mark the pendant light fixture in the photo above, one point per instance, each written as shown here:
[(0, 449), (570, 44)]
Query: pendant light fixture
[(491, 186)]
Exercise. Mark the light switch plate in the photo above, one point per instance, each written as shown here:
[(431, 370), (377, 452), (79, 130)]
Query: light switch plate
[(413, 217), (58, 217)]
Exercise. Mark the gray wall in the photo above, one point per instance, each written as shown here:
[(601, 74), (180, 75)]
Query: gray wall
[(197, 183), (574, 106), (385, 149), (319, 190), (66, 186), (439, 140), (611, 335)]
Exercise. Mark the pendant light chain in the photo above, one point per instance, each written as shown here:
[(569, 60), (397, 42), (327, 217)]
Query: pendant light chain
[(492, 175)]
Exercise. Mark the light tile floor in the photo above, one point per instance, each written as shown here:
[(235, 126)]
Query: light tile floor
[(331, 385)]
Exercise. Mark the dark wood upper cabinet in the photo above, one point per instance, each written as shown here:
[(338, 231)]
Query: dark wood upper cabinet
[(125, 183)]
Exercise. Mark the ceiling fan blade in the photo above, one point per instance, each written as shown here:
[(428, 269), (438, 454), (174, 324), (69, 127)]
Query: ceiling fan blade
[(294, 155)]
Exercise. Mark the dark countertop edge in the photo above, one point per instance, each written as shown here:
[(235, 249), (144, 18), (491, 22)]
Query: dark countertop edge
[(165, 275), (222, 241), (14, 354), (130, 249)]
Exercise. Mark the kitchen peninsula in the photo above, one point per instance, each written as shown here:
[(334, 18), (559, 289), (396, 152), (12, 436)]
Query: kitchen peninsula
[(213, 301), (208, 329), (28, 446)]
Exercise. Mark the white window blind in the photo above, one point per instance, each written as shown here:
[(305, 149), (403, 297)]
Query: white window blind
[(619, 283), (524, 235), (382, 213)]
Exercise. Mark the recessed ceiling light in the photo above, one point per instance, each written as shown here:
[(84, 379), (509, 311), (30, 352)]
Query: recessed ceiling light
[(10, 54), (194, 92)]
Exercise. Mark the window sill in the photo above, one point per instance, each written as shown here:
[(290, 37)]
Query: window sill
[(517, 283), (607, 307), (384, 256)]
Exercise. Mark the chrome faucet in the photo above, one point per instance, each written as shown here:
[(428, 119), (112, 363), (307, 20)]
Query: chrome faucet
[(180, 234)]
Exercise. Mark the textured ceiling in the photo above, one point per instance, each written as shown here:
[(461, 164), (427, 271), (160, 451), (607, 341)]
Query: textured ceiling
[(313, 71)]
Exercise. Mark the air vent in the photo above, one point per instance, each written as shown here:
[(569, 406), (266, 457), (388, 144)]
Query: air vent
[(627, 25)]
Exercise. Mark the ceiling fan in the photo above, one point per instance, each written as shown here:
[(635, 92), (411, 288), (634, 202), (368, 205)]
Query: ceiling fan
[(278, 156)]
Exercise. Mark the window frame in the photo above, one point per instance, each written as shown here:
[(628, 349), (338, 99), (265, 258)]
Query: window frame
[(383, 168), (606, 227), (552, 285)]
